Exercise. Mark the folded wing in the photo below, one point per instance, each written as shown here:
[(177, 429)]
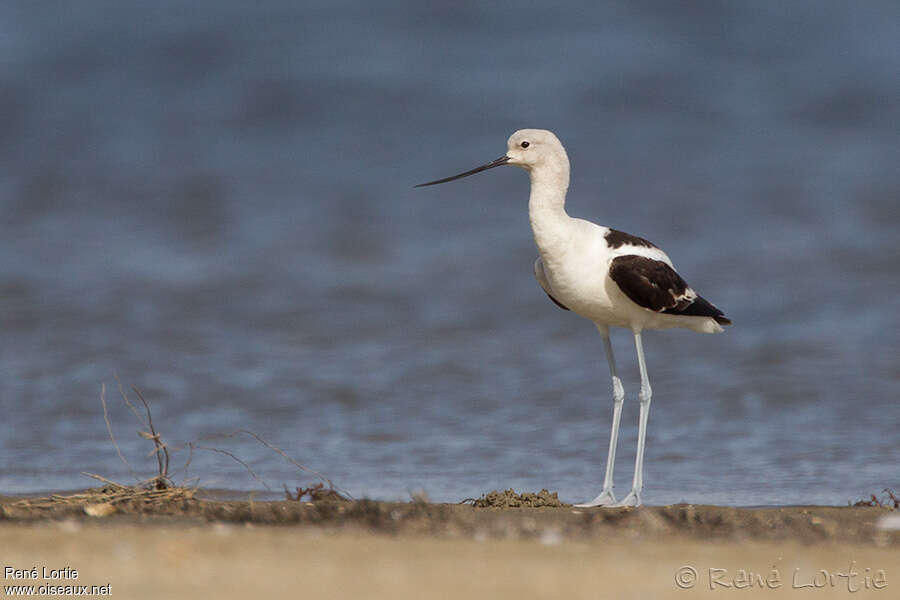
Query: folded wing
[(658, 287)]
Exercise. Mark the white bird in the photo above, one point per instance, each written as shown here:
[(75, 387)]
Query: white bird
[(610, 277)]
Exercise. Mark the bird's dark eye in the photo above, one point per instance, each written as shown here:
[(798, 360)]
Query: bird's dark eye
[(525, 144)]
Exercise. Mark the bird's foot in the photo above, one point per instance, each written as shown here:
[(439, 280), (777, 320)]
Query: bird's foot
[(606, 498), (632, 499)]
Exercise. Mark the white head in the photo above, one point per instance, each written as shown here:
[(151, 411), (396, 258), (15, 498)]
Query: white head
[(535, 148), (538, 151)]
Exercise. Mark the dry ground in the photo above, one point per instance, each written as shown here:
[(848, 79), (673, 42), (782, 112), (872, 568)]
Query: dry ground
[(181, 546)]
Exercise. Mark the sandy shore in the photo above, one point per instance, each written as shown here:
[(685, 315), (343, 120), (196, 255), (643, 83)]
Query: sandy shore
[(240, 549)]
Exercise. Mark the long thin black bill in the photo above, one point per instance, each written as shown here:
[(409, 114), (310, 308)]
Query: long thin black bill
[(494, 163)]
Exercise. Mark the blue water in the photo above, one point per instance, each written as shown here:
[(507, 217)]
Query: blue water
[(213, 202)]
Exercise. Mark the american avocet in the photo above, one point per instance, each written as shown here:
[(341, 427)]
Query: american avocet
[(610, 277)]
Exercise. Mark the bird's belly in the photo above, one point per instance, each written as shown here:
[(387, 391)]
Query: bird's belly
[(587, 293)]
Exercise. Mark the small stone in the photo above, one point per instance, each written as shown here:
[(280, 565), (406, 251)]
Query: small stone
[(99, 510)]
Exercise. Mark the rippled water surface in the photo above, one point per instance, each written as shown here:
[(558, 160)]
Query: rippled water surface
[(213, 202)]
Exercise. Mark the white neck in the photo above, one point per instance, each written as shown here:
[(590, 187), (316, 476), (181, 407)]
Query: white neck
[(547, 204)]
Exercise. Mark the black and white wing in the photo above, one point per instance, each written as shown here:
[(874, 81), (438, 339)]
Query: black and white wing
[(656, 286), (545, 285)]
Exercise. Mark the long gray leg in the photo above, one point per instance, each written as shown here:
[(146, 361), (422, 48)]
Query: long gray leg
[(606, 496), (634, 496)]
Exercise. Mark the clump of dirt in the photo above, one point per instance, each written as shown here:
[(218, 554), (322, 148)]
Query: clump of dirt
[(510, 499)]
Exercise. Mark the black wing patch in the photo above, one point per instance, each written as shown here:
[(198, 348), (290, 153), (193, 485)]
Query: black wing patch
[(656, 286), (616, 238)]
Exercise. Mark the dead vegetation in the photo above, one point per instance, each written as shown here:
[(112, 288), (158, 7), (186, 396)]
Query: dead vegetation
[(107, 500), (161, 480), (159, 493), (316, 493), (888, 499)]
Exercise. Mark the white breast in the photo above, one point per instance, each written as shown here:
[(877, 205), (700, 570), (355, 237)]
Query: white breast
[(576, 270)]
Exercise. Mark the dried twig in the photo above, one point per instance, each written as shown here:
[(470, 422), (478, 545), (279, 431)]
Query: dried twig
[(128, 403), (315, 492), (289, 459), (162, 453), (105, 480), (888, 499), (110, 431), (148, 497), (233, 457), (893, 497), (161, 450), (187, 463)]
